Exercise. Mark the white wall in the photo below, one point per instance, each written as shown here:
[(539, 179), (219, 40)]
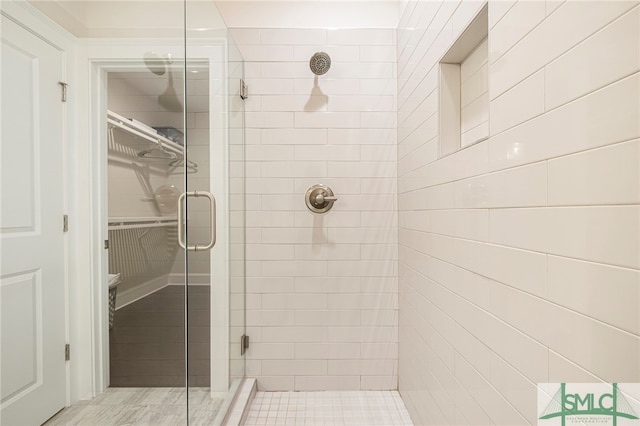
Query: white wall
[(311, 13), (321, 289), (519, 256)]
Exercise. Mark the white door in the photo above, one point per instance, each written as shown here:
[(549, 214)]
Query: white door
[(32, 299)]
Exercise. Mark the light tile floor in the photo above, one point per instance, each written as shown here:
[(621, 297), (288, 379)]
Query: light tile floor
[(141, 406), (370, 408)]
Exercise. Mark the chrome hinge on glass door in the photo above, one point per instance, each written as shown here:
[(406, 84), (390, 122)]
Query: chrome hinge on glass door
[(212, 217), (244, 90), (244, 344)]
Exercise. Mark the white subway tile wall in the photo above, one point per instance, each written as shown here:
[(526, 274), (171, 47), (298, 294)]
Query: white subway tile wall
[(519, 256), (322, 306)]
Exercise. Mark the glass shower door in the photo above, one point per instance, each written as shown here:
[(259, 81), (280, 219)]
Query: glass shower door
[(213, 209), (190, 80), (197, 78), (141, 65)]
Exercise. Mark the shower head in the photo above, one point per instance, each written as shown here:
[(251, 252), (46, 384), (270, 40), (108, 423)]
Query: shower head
[(320, 63)]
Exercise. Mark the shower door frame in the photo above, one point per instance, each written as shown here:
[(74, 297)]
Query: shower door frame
[(100, 61)]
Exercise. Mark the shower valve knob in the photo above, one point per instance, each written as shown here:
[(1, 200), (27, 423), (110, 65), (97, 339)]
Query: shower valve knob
[(322, 198), (319, 198)]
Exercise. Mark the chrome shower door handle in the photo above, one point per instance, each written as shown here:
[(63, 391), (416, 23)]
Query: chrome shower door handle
[(212, 219)]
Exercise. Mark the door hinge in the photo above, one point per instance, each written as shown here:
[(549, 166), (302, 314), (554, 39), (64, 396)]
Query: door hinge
[(65, 223), (106, 244), (67, 352), (244, 344), (244, 90), (63, 87)]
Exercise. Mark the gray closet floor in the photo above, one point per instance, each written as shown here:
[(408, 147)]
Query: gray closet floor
[(147, 342), (141, 406)]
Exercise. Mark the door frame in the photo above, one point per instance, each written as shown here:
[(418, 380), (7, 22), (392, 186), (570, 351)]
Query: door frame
[(99, 60), (34, 21)]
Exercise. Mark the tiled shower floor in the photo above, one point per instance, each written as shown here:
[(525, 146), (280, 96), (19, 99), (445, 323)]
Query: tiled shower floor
[(141, 406), (370, 408)]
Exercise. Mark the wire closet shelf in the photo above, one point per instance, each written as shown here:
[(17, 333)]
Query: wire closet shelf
[(149, 143), (118, 223)]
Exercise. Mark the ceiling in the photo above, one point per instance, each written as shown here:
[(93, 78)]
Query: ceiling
[(131, 18), (163, 18)]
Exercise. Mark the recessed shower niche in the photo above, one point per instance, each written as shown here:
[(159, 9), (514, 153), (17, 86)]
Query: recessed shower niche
[(464, 83)]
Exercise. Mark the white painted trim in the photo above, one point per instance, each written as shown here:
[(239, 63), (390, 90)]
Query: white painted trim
[(30, 17), (97, 103)]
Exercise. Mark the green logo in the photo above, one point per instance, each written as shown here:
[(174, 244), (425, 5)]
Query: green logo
[(613, 404)]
